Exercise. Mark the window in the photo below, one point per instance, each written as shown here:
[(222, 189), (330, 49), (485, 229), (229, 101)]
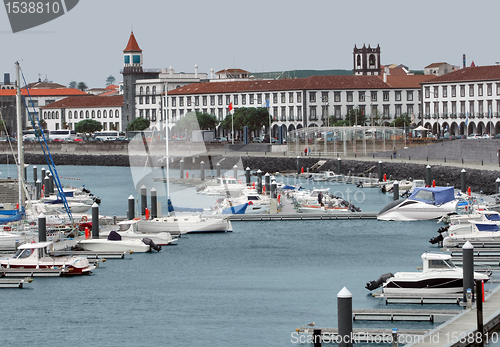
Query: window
[(283, 98), (312, 113), (453, 91), (259, 99), (489, 89), (196, 101), (117, 114), (290, 113), (153, 115), (173, 101), (181, 101), (445, 108), (141, 113), (93, 114), (228, 99), (104, 114), (398, 110), (70, 115), (462, 91), (386, 111), (361, 95), (204, 100), (427, 92), (409, 95), (299, 113), (188, 101), (454, 107), (275, 113), (373, 96), (336, 96), (154, 90), (445, 91), (480, 90), (221, 113), (471, 108), (386, 96), (219, 100), (471, 90), (243, 99), (312, 96), (81, 114), (436, 92), (252, 99), (462, 107), (275, 98), (324, 96), (153, 99), (349, 96), (397, 95), (290, 97), (324, 112), (140, 100), (283, 113), (141, 91), (147, 99), (98, 113), (212, 100), (409, 109), (337, 111), (299, 97)]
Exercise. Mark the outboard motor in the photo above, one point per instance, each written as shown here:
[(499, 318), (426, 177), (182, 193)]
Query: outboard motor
[(151, 244), (199, 189), (436, 239), (375, 284), (383, 189), (85, 190), (443, 229)]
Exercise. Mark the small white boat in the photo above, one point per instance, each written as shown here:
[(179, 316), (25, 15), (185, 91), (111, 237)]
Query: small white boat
[(184, 224), (224, 186), (422, 204), (473, 232), (438, 276), (37, 256), (129, 229), (105, 245)]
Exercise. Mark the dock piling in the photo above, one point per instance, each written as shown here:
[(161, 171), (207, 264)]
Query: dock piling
[(51, 183), (259, 182), (339, 165), (273, 190), (42, 228), (463, 181), (380, 171), (95, 221), (35, 174), (202, 170), (247, 176), (479, 310), (144, 200), (428, 175), (344, 317), (267, 180), (497, 186), (131, 208), (235, 172), (468, 269), (46, 186), (217, 168), (154, 203), (38, 189), (298, 165), (317, 338), (395, 190), (181, 163), (43, 174)]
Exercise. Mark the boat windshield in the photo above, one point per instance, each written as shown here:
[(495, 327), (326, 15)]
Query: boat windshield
[(124, 227), (494, 217), (441, 264), (425, 195), (23, 253)]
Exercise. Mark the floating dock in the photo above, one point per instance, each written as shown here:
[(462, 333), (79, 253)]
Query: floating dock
[(403, 315), (304, 216), (420, 299), (14, 282), (19, 272), (91, 255), (364, 335)]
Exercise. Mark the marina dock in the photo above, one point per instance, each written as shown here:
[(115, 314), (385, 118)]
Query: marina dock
[(304, 216), (403, 315), (14, 282), (420, 299), (364, 335)]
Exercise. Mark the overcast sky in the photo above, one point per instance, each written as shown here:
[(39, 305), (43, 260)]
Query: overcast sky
[(86, 44)]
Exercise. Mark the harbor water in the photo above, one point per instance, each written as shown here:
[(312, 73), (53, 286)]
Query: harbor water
[(251, 287)]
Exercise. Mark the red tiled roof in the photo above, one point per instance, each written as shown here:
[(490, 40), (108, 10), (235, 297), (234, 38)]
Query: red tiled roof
[(112, 86), (43, 92), (311, 83), (232, 71), (397, 71), (407, 81), (434, 65), (110, 92), (132, 45), (478, 73), (88, 101)]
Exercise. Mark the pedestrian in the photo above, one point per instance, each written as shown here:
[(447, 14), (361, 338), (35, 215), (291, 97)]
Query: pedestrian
[(320, 198), (305, 151), (394, 153), (309, 151)]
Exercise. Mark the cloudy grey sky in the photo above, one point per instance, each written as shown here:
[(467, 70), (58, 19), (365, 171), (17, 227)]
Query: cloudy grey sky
[(86, 44)]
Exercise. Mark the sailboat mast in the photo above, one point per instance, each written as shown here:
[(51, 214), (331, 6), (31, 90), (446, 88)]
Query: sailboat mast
[(166, 154), (20, 152)]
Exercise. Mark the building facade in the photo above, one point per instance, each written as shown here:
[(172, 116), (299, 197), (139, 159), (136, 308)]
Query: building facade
[(366, 60), (463, 102)]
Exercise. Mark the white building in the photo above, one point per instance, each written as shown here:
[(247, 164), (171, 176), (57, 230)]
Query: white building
[(304, 102), (67, 112), (464, 102)]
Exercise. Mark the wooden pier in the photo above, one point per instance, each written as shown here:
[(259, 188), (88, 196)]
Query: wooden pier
[(14, 282)]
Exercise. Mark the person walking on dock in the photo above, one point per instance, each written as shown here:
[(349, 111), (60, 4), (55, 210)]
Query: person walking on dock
[(394, 153), (320, 199), (305, 151)]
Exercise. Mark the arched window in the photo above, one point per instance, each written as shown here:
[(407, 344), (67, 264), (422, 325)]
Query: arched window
[(70, 115), (147, 90), (358, 60), (81, 114), (57, 114), (93, 113), (154, 90), (86, 114), (141, 90), (45, 115), (372, 59), (98, 113), (104, 114), (117, 114), (53, 115)]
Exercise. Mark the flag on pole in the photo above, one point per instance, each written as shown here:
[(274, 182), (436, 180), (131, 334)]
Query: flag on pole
[(467, 119), (230, 107)]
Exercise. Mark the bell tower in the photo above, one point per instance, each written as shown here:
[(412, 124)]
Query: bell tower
[(132, 56), (366, 60)]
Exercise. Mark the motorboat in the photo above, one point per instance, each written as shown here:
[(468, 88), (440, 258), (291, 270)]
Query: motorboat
[(129, 229), (423, 204), (439, 275), (224, 186), (473, 232), (36, 255), (184, 224), (115, 243), (248, 202), (321, 209)]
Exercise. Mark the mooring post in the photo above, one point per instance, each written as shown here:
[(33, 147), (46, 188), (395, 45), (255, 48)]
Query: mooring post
[(38, 189), (479, 309), (468, 269), (42, 228), (380, 171), (267, 180), (247, 176), (339, 165), (298, 165), (259, 182), (43, 174), (428, 175), (497, 186), (235, 172), (95, 221), (202, 170), (463, 181), (344, 317), (144, 200), (131, 208), (154, 203), (46, 186), (317, 337), (395, 341), (35, 174), (181, 163), (395, 190), (273, 189), (217, 168), (51, 183)]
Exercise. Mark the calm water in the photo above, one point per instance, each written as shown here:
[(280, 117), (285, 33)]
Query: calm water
[(252, 287)]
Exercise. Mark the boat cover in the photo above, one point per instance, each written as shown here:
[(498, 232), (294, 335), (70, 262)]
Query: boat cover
[(114, 236), (15, 215), (487, 227), (494, 217), (435, 196)]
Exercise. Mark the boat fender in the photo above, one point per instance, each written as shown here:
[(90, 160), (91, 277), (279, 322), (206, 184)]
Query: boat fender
[(84, 219), (375, 284), (279, 198), (151, 244), (250, 203)]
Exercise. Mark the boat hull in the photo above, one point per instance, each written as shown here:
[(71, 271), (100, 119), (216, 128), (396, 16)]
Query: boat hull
[(101, 245)]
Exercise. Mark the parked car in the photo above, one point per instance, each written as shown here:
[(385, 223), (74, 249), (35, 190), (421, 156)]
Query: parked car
[(486, 136), (497, 136), (78, 139), (258, 139), (220, 139), (473, 136)]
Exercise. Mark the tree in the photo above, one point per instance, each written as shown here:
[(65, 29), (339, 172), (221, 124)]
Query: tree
[(356, 116), (110, 80), (194, 121), (88, 126), (82, 86), (138, 124), (401, 121), (72, 84), (253, 117)]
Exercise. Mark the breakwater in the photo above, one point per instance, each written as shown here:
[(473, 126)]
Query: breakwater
[(478, 180)]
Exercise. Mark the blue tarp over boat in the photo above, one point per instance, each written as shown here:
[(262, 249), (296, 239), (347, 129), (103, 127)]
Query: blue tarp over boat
[(238, 209), (434, 196), (15, 215)]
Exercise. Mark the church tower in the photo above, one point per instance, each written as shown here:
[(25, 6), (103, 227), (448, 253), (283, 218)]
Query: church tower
[(132, 71), (366, 60)]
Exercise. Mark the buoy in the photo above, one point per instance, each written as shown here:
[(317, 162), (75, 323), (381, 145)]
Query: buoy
[(385, 177), (250, 203), (87, 233), (147, 213), (302, 170), (433, 183), (468, 191), (84, 219), (279, 198), (187, 174)]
